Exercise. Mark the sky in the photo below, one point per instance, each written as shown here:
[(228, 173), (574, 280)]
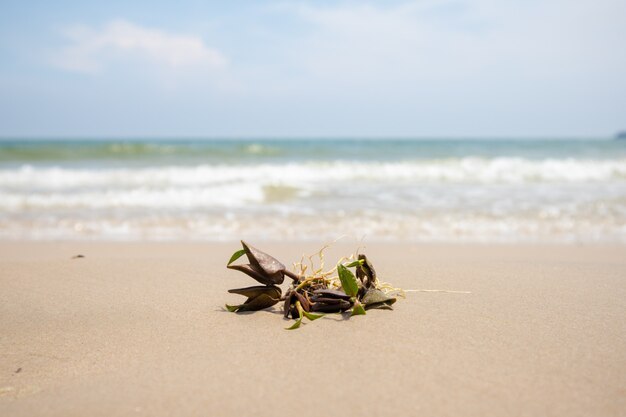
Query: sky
[(427, 68)]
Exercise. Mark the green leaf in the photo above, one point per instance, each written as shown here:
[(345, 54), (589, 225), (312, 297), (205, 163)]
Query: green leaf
[(375, 298), (358, 262), (312, 316), (295, 325), (232, 309), (236, 256), (348, 281), (358, 309)]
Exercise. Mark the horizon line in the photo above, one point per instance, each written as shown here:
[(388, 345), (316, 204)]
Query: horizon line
[(297, 137)]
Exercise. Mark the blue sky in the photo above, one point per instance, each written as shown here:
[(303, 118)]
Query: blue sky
[(322, 68)]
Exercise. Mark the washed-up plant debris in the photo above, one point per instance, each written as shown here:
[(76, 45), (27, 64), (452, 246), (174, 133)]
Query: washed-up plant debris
[(350, 287)]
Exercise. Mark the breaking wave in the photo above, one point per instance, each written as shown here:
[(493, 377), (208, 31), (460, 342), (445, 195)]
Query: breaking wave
[(446, 199)]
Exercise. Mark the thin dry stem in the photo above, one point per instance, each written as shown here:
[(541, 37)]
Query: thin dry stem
[(330, 278)]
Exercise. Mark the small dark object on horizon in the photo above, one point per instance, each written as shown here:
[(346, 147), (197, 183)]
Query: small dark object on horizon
[(621, 135), (78, 256)]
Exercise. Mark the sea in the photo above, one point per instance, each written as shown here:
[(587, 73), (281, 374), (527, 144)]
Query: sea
[(422, 190)]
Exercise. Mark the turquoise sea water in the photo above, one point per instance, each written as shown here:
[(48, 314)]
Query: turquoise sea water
[(419, 190), (164, 152)]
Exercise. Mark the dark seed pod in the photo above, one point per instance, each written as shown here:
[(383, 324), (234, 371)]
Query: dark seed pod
[(330, 293), (366, 272), (324, 300), (320, 307), (258, 303), (306, 305), (295, 314), (250, 292), (288, 303), (269, 266), (262, 267), (259, 297), (249, 270)]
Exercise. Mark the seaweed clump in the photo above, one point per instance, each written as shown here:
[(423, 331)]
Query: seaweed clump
[(313, 291)]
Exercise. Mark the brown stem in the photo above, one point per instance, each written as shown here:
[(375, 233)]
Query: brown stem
[(292, 275)]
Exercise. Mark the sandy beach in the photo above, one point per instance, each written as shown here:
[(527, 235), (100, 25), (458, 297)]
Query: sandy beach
[(139, 329), (474, 151)]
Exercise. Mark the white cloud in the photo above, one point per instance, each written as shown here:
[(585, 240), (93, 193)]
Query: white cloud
[(372, 67), (433, 66), (92, 50), (429, 40)]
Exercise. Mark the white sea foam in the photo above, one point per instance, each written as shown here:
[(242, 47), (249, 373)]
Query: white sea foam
[(472, 199), (441, 227), (463, 171)]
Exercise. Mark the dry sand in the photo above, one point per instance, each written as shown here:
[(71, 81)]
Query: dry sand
[(138, 329)]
